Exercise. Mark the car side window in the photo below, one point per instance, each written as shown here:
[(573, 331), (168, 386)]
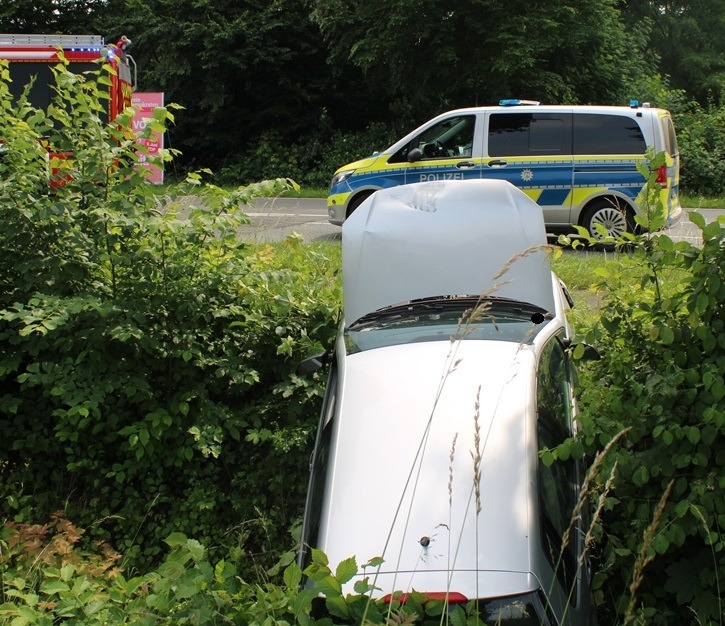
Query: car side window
[(557, 482), (318, 471)]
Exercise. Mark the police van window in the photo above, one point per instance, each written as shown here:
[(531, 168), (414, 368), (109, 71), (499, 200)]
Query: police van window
[(448, 139), (607, 134), (529, 134), (557, 483)]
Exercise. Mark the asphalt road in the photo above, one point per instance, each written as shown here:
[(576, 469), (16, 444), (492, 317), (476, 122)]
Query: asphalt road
[(274, 219)]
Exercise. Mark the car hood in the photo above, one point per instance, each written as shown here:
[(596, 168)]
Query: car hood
[(444, 238)]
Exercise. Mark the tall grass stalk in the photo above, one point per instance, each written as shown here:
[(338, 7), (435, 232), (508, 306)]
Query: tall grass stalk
[(645, 557), (592, 474), (707, 530)]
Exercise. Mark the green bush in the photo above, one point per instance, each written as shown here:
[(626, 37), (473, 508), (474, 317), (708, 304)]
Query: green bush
[(147, 353), (700, 135), (47, 578), (661, 330)]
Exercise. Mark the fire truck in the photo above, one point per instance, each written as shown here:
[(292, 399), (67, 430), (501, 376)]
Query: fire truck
[(34, 55), (31, 57)]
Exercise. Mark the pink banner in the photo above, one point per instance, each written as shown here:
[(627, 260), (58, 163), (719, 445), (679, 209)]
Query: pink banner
[(144, 104)]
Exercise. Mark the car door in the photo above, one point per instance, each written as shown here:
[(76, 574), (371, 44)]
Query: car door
[(563, 522), (533, 150), (443, 151)]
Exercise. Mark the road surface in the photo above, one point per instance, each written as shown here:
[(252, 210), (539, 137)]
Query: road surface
[(274, 219)]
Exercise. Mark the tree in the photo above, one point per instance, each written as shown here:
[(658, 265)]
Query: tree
[(688, 37), (73, 17), (239, 69), (435, 54)]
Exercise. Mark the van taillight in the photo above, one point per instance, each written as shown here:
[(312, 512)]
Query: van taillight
[(452, 597), (662, 175)]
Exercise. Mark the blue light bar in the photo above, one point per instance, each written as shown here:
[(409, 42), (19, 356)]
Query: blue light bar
[(512, 102)]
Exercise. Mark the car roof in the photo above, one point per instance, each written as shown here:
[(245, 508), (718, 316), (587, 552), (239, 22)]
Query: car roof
[(444, 238), (399, 411)]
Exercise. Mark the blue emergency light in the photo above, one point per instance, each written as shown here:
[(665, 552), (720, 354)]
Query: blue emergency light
[(512, 102)]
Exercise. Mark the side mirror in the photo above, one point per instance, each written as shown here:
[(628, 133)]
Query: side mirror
[(581, 351), (313, 364), (416, 154)]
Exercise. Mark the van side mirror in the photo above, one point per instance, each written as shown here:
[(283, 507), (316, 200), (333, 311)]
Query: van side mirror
[(416, 154), (313, 364)]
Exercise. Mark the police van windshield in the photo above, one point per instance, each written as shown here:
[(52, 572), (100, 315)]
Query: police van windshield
[(446, 318)]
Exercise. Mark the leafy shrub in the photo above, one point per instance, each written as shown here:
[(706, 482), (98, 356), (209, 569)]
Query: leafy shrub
[(662, 332), (147, 353), (47, 578), (700, 135)]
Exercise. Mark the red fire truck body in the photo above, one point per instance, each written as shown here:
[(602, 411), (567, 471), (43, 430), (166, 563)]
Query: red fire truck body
[(31, 57), (34, 55)]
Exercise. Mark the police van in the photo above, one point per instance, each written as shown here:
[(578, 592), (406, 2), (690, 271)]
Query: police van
[(577, 162)]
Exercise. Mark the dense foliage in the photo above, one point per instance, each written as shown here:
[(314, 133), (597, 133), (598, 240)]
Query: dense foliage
[(48, 578), (147, 390), (147, 354), (293, 87), (661, 329)]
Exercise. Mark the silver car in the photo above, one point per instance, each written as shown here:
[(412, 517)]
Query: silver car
[(449, 375)]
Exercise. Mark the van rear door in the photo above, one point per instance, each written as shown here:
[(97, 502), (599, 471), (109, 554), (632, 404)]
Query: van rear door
[(673, 164), (532, 150)]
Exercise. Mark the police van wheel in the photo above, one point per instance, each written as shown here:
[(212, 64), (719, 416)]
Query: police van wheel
[(356, 202), (614, 216)]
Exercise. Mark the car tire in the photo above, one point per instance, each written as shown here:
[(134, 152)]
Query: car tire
[(614, 215), (357, 201)]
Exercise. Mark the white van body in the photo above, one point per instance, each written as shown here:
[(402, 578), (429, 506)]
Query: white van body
[(414, 397), (579, 163)]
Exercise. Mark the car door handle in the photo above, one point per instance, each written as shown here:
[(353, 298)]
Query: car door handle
[(497, 164), (465, 165)]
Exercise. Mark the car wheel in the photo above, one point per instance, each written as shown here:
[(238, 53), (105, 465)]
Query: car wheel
[(611, 214), (357, 201)]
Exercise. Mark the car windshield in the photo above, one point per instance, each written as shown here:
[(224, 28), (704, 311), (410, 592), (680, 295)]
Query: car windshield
[(445, 318)]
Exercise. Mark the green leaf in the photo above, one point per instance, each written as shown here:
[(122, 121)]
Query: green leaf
[(318, 556), (337, 607), (667, 336), (67, 572), (175, 540), (328, 586), (346, 570), (49, 587), (660, 543), (292, 576), (697, 219), (376, 561)]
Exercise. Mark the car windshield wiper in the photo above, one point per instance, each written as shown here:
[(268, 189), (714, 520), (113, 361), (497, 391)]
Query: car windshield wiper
[(489, 306)]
